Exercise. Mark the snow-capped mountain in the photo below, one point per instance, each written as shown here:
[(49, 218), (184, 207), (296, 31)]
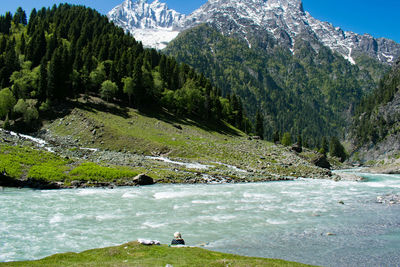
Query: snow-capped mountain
[(155, 25)]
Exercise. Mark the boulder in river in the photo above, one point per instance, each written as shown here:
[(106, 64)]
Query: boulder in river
[(143, 179)]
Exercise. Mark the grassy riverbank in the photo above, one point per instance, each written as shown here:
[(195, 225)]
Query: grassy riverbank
[(134, 254)]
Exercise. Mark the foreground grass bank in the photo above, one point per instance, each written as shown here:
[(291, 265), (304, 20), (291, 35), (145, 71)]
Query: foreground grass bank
[(134, 254)]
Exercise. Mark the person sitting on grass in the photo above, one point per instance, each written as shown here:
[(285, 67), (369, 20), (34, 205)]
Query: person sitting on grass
[(177, 239)]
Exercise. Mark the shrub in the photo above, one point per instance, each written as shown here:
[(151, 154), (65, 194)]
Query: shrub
[(91, 171), (50, 171), (12, 168)]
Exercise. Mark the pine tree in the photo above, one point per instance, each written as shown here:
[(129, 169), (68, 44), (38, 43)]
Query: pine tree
[(36, 48), (139, 91), (260, 125), (51, 46), (299, 141), (20, 16), (324, 146), (23, 44), (6, 23), (276, 137), (42, 84), (56, 76), (11, 64), (3, 44), (32, 18)]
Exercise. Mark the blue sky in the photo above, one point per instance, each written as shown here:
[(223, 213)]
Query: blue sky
[(378, 18)]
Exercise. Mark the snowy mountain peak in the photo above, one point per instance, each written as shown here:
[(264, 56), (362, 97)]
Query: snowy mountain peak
[(152, 23)]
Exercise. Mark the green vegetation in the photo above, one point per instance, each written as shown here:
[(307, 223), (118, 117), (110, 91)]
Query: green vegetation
[(91, 171), (336, 149), (108, 90), (134, 254), (307, 92), (68, 51), (371, 123), (7, 102), (260, 125), (16, 161), (48, 172), (286, 139), (27, 162)]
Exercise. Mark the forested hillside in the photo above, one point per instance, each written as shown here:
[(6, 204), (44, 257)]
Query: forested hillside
[(311, 92), (376, 122), (69, 51)]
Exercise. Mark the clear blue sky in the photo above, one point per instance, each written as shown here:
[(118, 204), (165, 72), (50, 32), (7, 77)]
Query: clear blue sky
[(378, 18)]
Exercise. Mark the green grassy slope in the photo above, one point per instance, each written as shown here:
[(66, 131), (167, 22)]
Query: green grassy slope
[(134, 254)]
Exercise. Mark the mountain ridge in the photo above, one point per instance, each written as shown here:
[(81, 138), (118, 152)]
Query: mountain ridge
[(285, 20)]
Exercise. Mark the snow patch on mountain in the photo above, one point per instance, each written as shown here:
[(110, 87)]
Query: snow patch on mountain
[(389, 57), (349, 58), (155, 38)]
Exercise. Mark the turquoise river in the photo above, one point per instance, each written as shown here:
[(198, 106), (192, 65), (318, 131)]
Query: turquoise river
[(288, 220)]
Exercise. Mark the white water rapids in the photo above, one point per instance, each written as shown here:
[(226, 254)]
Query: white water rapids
[(288, 220)]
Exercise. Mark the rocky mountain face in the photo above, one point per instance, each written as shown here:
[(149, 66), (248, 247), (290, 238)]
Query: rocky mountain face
[(285, 20)]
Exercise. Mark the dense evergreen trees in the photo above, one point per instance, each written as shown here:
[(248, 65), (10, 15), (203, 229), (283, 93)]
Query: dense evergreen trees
[(260, 125), (67, 51)]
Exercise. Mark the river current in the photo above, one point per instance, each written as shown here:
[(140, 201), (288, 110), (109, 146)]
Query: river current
[(310, 221)]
